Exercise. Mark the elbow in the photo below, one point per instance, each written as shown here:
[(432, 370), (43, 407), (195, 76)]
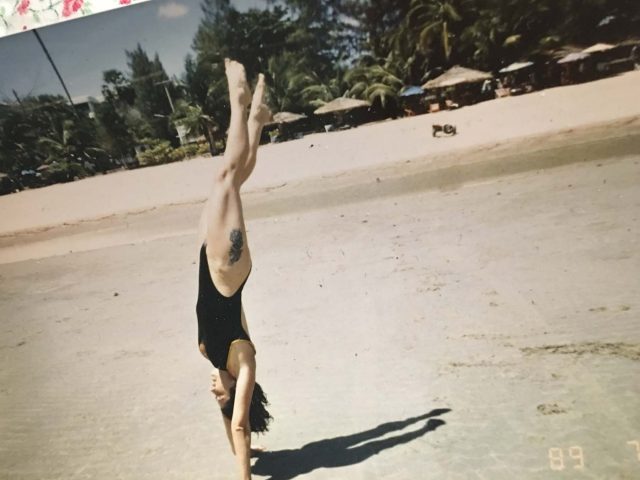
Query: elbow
[(239, 428)]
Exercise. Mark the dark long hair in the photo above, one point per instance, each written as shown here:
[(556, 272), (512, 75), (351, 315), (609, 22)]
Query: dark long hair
[(259, 417)]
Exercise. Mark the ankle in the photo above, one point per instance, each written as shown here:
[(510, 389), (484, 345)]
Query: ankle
[(236, 101)]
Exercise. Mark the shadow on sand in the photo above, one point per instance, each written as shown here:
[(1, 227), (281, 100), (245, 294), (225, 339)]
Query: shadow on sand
[(342, 451)]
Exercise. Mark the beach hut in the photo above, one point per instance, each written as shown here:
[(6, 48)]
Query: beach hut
[(598, 48), (412, 100), (574, 57), (517, 78), (461, 84), (548, 71), (344, 112), (287, 125), (602, 54), (285, 117), (557, 53), (457, 76), (341, 104), (574, 68), (516, 66)]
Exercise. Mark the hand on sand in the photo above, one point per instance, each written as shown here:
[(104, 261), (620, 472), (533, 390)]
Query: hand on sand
[(259, 113), (217, 390), (214, 380), (257, 450), (237, 79)]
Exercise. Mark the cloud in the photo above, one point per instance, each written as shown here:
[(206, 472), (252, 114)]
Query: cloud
[(172, 10)]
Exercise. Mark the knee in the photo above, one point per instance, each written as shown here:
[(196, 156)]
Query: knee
[(226, 184)]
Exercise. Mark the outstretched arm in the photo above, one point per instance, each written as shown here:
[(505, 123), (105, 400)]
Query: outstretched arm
[(240, 428), (227, 427), (220, 385)]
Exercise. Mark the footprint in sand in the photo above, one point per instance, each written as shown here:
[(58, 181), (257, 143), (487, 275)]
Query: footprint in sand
[(598, 309), (550, 409)]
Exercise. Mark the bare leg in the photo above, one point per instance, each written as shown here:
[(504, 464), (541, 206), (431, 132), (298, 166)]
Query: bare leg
[(237, 138), (258, 116), (227, 251)]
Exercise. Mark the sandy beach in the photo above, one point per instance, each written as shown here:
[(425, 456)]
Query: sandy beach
[(487, 125), (460, 308)]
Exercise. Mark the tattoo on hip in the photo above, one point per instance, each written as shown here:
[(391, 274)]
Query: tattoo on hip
[(237, 242)]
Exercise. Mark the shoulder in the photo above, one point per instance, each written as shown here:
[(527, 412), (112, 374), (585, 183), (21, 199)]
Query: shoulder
[(242, 358)]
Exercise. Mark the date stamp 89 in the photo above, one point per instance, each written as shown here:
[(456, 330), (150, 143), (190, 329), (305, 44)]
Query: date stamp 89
[(573, 457)]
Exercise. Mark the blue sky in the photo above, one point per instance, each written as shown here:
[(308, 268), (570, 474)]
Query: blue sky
[(83, 48)]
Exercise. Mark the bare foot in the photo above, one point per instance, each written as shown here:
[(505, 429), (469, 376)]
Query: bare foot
[(237, 80), (259, 113)]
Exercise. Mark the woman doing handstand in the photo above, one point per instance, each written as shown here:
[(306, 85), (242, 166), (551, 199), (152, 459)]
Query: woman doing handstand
[(225, 263)]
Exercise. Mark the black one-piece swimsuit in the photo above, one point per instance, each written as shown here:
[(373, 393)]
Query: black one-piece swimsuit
[(219, 317)]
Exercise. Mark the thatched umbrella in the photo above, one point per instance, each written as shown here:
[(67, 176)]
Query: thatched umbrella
[(574, 57), (341, 104), (559, 52), (456, 76), (286, 117), (598, 47), (514, 67)]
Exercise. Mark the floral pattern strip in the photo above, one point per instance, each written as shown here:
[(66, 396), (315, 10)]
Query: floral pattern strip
[(21, 15)]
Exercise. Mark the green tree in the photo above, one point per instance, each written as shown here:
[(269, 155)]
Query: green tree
[(149, 79), (319, 91), (251, 37), (375, 84), (117, 130), (378, 21), (45, 130)]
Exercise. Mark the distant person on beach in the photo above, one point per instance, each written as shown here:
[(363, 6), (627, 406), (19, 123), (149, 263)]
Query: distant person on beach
[(225, 264)]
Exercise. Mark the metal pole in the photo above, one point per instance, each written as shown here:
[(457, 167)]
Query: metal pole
[(15, 94), (55, 69), (166, 90)]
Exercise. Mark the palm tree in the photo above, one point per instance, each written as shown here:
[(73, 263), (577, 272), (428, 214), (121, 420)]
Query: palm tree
[(482, 42), (318, 92), (375, 84), (431, 21), (287, 78)]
